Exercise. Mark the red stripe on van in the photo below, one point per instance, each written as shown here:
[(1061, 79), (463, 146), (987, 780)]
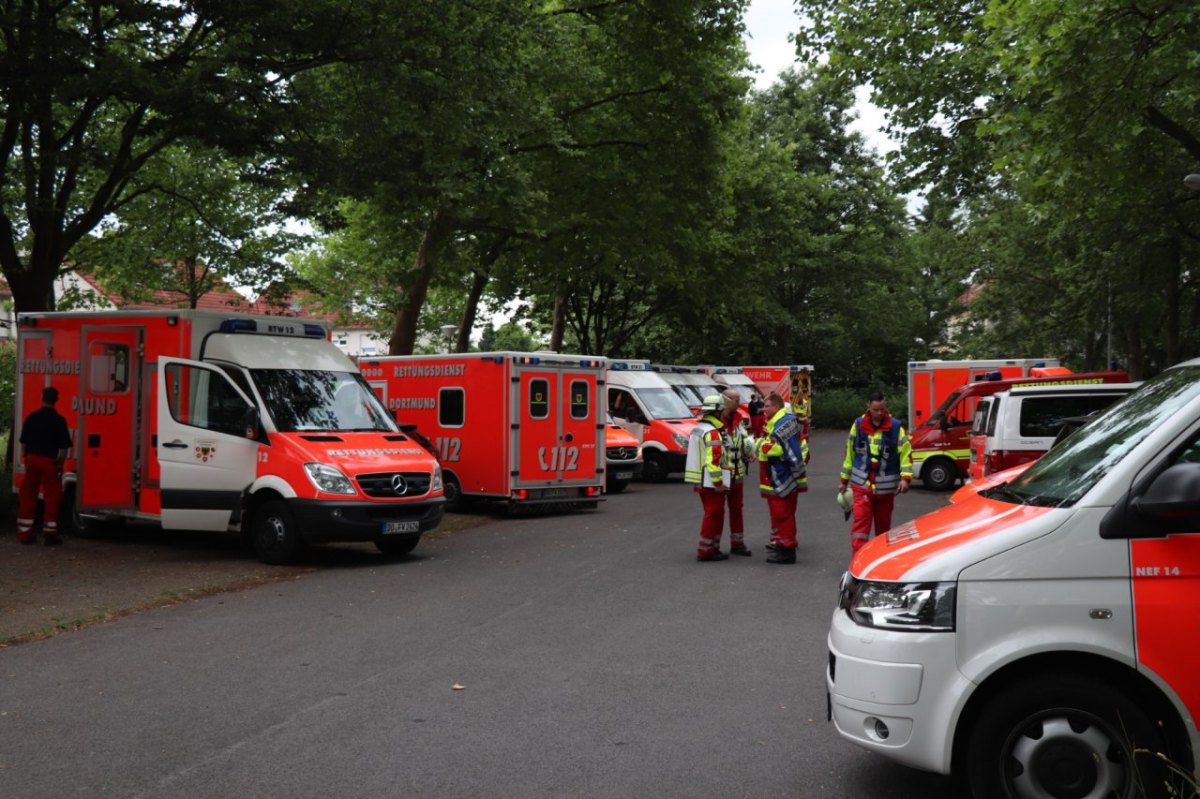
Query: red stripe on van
[(1166, 582), (971, 519)]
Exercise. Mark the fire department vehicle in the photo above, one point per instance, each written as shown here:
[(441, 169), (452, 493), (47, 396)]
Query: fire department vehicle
[(640, 401), (209, 421), (691, 383), (941, 445), (793, 383), (1034, 636), (526, 428)]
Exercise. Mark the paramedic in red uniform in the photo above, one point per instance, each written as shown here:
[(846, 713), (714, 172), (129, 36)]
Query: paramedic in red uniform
[(739, 451), (706, 471), (878, 465), (782, 454), (45, 441)]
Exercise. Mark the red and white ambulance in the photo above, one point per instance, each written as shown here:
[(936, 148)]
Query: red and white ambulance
[(1034, 636), (526, 428), (640, 401), (930, 382), (208, 421)]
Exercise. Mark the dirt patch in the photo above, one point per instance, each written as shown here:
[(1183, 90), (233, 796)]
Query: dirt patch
[(48, 590)]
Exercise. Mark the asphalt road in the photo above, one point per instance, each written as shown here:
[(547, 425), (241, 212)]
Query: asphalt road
[(579, 655)]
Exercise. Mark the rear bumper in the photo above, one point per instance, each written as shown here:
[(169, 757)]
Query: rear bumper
[(320, 521)]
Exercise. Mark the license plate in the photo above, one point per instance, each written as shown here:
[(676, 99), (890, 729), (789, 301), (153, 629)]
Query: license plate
[(401, 527), (559, 492), (623, 476)]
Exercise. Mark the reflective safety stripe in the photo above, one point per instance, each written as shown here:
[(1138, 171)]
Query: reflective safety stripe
[(955, 454)]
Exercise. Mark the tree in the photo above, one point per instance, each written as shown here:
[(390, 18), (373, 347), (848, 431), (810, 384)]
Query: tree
[(93, 91), (194, 218)]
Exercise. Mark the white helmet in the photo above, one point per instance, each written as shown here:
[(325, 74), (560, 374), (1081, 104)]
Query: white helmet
[(845, 499)]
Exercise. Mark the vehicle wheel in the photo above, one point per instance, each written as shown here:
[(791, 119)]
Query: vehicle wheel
[(617, 486), (397, 546), (453, 492), (654, 467), (274, 535), (939, 474), (1060, 736)]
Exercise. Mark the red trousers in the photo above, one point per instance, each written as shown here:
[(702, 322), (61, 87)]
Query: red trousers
[(737, 528), (713, 522), (783, 519), (869, 508), (41, 475)]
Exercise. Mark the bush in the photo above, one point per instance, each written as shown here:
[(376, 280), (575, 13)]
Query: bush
[(837, 408)]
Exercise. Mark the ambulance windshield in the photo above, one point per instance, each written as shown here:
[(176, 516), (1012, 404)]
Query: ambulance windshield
[(301, 400), (1068, 471), (663, 403)]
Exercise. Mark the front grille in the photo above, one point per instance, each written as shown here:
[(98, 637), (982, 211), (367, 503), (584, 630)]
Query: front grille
[(621, 453), (384, 484)]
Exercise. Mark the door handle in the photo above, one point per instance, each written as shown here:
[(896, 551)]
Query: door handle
[(176, 444)]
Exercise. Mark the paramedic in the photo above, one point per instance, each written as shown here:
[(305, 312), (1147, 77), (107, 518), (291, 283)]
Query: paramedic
[(782, 453), (878, 465), (738, 452), (705, 470), (45, 442)]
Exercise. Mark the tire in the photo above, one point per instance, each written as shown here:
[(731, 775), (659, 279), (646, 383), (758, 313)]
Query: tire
[(452, 489), (654, 468), (397, 546), (939, 474), (274, 536), (617, 486), (1059, 736)]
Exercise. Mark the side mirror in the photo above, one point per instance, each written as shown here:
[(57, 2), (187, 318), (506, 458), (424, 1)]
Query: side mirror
[(1175, 492), (252, 424)]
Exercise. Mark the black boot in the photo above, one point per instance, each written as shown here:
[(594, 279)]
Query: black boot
[(782, 555)]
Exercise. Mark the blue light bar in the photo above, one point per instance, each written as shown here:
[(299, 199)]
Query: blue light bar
[(239, 326), (992, 376), (314, 331)]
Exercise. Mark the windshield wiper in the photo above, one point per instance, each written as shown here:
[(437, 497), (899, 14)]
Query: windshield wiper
[(1003, 492)]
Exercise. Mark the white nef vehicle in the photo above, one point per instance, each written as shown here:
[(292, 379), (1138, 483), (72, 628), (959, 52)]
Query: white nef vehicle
[(1038, 637)]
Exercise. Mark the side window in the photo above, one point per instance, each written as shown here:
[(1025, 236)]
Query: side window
[(619, 403), (1043, 417), (539, 398), (581, 403), (993, 415), (452, 407), (108, 368), (204, 398), (979, 425)]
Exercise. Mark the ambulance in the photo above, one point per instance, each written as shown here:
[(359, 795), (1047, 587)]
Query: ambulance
[(523, 428), (941, 445), (641, 402), (200, 420), (1035, 637), (691, 383)]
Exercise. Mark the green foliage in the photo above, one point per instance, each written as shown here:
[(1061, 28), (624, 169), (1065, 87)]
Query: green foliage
[(511, 336), (837, 408)]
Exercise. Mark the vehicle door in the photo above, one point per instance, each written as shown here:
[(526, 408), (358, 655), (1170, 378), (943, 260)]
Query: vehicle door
[(109, 457), (979, 438), (207, 444)]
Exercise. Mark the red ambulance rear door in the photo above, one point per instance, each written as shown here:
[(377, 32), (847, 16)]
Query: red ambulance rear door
[(108, 417), (557, 433)]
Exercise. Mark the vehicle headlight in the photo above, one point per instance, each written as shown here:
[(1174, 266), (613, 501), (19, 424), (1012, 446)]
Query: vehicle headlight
[(436, 483), (328, 479), (923, 607), (680, 440)]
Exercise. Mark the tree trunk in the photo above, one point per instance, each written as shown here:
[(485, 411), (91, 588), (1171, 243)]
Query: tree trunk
[(404, 333), (32, 286), (559, 325), (1174, 290), (478, 283)]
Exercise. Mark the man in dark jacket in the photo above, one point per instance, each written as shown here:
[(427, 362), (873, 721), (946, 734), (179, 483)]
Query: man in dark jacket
[(45, 442)]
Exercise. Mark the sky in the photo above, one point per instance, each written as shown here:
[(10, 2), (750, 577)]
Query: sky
[(768, 25)]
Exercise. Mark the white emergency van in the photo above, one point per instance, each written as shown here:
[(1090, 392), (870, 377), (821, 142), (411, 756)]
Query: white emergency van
[(640, 401), (1036, 637)]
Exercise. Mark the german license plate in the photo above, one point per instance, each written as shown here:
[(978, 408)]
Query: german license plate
[(401, 527), (559, 492), (623, 476)]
